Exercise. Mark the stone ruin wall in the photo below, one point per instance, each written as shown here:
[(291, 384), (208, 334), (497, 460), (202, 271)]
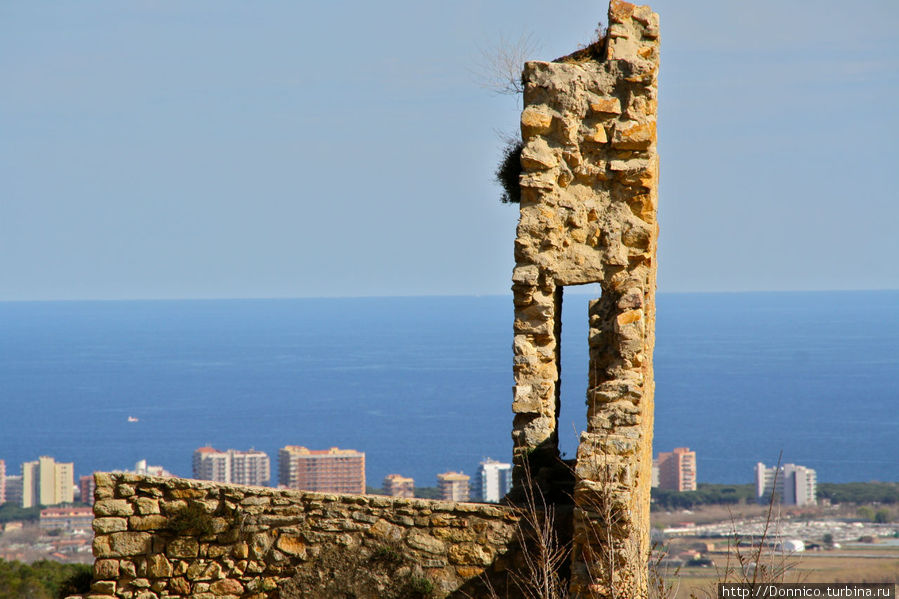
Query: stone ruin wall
[(588, 215), (262, 543)]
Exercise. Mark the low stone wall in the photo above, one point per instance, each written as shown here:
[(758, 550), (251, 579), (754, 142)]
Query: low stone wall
[(166, 537)]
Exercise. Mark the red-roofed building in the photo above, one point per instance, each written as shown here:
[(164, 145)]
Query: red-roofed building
[(332, 470)]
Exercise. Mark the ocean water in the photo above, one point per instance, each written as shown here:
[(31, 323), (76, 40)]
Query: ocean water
[(423, 385)]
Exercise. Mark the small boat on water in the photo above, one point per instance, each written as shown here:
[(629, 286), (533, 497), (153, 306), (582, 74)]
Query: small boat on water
[(133, 419)]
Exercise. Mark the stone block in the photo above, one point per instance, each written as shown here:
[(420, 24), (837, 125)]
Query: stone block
[(606, 106), (183, 547), (107, 525), (113, 507)]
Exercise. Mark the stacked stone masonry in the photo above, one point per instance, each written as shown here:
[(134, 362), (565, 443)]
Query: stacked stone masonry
[(588, 215), (165, 537)]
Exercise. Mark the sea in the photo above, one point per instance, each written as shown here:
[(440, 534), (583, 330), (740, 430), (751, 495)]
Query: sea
[(423, 385)]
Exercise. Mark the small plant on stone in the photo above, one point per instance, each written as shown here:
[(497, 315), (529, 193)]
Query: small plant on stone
[(192, 519)]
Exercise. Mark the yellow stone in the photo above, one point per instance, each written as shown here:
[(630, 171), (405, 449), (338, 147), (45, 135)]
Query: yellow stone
[(635, 137), (599, 135), (629, 317), (534, 122), (606, 105)]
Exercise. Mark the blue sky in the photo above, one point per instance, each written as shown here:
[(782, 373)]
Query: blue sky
[(292, 149)]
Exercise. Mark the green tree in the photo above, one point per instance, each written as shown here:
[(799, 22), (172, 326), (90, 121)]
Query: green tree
[(865, 512)]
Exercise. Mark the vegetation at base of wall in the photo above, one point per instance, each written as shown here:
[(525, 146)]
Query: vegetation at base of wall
[(193, 519), (705, 494), (874, 492), (508, 171), (10, 512), (373, 569), (43, 579)]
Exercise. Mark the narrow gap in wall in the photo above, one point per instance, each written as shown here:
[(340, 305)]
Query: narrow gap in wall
[(575, 360)]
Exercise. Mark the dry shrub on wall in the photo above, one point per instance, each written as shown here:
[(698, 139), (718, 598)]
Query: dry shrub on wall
[(509, 170), (368, 570)]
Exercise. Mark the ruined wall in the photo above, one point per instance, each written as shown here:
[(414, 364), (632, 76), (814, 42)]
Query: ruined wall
[(588, 215), (165, 537)]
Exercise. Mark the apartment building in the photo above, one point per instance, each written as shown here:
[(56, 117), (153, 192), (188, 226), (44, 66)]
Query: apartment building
[(397, 485), (212, 464), (13, 487), (47, 482), (331, 470), (492, 481), (250, 468), (86, 487), (790, 484), (68, 519), (677, 469), (232, 466), (2, 482), (454, 486)]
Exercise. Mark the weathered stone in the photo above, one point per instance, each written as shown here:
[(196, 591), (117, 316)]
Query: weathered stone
[(425, 543), (107, 525), (598, 227), (113, 507), (127, 569), (535, 121), (292, 546), (179, 586), (606, 105), (122, 544), (158, 566), (470, 554), (183, 547), (106, 568), (104, 587), (152, 522), (146, 505), (228, 586), (637, 136)]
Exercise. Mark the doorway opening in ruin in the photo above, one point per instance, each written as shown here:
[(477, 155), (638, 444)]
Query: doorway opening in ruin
[(573, 363)]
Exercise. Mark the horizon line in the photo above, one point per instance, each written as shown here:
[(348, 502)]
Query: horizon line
[(412, 296)]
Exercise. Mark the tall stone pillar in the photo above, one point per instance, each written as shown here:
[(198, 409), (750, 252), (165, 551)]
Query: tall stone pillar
[(588, 215)]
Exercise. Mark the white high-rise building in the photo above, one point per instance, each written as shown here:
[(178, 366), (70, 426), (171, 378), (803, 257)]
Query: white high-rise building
[(212, 464), (791, 484), (492, 481), (239, 467), (250, 468), (47, 482)]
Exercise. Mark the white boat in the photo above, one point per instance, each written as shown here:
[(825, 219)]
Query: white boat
[(132, 419)]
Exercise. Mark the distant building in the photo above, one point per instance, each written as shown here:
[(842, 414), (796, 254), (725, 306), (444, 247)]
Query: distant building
[(397, 485), (68, 519), (250, 468), (13, 486), (2, 482), (655, 474), (86, 486), (677, 469), (141, 467), (492, 481), (212, 464), (47, 482), (453, 486), (239, 467), (790, 484), (332, 470)]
